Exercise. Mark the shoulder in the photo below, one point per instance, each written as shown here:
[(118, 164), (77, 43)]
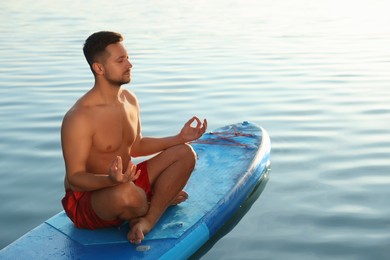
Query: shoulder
[(82, 110), (129, 96), (77, 118)]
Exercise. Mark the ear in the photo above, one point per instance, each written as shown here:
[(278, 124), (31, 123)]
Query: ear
[(98, 68)]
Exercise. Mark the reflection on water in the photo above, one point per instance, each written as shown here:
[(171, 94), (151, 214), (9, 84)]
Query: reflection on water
[(237, 216), (315, 74)]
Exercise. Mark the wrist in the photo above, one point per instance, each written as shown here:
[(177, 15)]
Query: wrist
[(111, 181), (180, 139)]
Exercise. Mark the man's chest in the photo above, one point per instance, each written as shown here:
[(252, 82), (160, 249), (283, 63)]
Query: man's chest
[(115, 129)]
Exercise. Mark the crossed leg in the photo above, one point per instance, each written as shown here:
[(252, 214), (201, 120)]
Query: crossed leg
[(169, 172)]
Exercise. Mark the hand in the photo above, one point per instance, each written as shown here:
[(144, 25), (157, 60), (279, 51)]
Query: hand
[(131, 173), (189, 133)]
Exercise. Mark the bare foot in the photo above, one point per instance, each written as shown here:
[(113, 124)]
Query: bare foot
[(138, 229), (181, 197)]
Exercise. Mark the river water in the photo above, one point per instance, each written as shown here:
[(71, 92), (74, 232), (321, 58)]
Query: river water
[(315, 74)]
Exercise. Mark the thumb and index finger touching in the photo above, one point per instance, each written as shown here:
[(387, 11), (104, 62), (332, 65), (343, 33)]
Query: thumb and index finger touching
[(199, 124)]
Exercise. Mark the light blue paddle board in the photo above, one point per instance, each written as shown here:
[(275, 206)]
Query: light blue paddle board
[(231, 161)]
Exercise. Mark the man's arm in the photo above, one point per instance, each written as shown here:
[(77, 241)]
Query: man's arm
[(144, 146)]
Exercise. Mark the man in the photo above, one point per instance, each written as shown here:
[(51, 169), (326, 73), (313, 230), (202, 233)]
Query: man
[(100, 134)]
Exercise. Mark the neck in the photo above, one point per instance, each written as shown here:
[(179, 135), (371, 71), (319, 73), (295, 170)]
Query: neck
[(107, 93)]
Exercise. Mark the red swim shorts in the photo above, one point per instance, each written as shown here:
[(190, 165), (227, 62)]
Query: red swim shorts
[(78, 207)]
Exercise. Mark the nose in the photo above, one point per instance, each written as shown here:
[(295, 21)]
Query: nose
[(130, 65)]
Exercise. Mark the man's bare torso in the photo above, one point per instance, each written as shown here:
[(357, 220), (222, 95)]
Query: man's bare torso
[(112, 129)]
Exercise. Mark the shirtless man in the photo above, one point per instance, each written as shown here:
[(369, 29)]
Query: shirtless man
[(100, 134)]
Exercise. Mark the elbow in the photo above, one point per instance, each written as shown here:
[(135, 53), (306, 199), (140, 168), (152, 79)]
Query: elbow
[(70, 184)]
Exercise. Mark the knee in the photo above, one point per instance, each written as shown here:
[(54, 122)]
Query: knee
[(189, 154), (133, 199)]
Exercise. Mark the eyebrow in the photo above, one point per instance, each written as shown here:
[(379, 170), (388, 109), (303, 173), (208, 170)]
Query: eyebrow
[(122, 56)]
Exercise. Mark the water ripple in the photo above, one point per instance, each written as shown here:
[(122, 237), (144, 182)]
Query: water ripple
[(314, 74)]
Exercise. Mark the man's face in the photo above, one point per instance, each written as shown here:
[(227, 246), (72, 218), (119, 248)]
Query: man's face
[(116, 64)]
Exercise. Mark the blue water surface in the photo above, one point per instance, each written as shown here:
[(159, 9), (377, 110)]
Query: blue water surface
[(315, 74)]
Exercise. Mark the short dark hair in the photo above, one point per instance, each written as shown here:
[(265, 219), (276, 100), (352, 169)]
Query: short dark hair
[(96, 44)]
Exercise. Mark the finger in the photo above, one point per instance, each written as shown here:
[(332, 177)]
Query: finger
[(204, 125), (126, 177), (198, 122), (136, 176), (202, 130), (133, 170), (129, 166), (119, 164), (114, 165), (189, 122), (129, 171)]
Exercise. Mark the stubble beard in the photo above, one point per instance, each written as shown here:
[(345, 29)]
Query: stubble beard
[(119, 82)]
